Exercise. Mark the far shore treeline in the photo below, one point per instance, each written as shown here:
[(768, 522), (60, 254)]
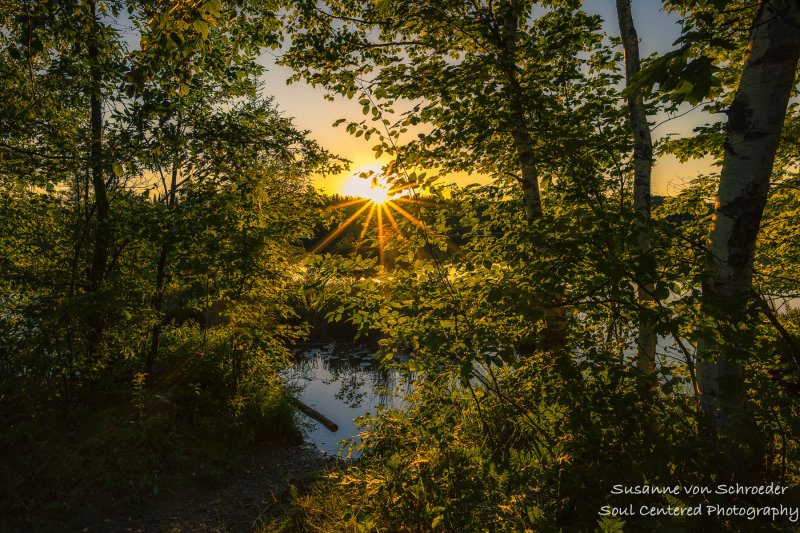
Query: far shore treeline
[(575, 340)]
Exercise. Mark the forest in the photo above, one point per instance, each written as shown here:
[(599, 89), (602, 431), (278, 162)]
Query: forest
[(587, 353)]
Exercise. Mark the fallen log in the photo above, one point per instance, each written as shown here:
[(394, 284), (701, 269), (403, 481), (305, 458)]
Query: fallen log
[(316, 415)]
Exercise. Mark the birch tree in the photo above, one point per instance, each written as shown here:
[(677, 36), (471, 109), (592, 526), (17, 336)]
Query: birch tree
[(642, 166), (755, 120)]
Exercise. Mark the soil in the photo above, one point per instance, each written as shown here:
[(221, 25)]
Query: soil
[(255, 499)]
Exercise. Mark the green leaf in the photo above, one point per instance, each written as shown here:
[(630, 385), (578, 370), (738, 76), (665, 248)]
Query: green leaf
[(213, 7), (383, 6), (661, 292), (202, 28)]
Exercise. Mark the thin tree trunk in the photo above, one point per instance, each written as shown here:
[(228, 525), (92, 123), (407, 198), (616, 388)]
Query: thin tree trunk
[(158, 300), (82, 223), (642, 165), (523, 144), (754, 125), (555, 315), (102, 237)]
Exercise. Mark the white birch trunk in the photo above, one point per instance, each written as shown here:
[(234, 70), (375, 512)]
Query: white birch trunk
[(642, 165), (555, 315), (754, 124)]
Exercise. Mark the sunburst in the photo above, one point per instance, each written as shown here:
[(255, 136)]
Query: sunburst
[(379, 201), (370, 186)]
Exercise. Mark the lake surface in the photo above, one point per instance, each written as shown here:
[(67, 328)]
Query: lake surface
[(342, 382)]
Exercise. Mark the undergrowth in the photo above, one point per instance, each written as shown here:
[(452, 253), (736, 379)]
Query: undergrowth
[(538, 450), (118, 444)]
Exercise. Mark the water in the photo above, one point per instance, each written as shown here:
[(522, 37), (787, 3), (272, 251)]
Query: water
[(343, 383)]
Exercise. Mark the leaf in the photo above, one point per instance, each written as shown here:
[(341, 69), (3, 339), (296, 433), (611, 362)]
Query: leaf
[(202, 28), (213, 7), (661, 292), (383, 6), (609, 524)]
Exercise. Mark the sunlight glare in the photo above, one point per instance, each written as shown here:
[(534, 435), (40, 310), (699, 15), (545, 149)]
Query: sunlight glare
[(371, 187)]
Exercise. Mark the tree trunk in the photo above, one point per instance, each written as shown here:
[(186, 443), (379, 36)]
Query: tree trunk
[(642, 165), (754, 125), (555, 315), (101, 238), (158, 300)]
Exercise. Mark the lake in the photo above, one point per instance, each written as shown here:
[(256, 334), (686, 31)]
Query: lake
[(343, 382)]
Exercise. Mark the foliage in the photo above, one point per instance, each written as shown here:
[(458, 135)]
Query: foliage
[(504, 437), (461, 86), (537, 456), (154, 205), (152, 202)]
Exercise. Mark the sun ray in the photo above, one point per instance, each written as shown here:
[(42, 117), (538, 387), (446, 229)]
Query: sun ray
[(380, 232), (341, 228), (364, 230), (416, 201), (422, 226), (380, 198), (394, 224), (346, 204), (394, 190)]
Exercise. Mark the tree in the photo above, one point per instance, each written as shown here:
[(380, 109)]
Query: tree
[(642, 166), (496, 88), (755, 120), (136, 115)]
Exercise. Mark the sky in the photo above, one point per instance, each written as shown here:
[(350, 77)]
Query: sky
[(311, 111)]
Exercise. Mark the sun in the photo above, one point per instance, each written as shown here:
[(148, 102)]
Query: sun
[(377, 200), (368, 187), (377, 195)]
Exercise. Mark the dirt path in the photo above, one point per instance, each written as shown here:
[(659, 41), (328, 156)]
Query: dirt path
[(249, 502)]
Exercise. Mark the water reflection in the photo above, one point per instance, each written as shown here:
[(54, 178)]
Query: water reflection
[(343, 382)]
